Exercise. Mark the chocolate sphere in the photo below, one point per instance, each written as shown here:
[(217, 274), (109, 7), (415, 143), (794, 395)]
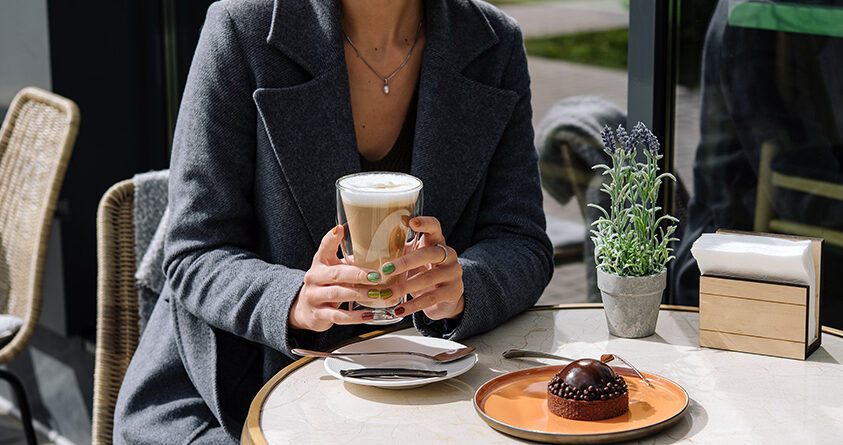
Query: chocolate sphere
[(587, 372)]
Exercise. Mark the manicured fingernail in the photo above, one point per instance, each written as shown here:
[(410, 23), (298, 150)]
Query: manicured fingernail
[(415, 223), (388, 268), (335, 229), (373, 276), (399, 311), (368, 315), (374, 293), (385, 294)]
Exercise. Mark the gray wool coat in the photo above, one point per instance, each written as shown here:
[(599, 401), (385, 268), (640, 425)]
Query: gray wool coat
[(264, 130)]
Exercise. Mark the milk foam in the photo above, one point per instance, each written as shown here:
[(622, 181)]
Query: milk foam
[(379, 188)]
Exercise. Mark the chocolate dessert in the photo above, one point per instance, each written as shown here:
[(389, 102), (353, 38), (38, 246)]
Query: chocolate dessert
[(587, 390)]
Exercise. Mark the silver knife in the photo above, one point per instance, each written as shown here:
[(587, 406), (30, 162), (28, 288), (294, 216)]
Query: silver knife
[(391, 372)]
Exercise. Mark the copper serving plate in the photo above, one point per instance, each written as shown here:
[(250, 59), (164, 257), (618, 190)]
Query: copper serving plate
[(516, 404)]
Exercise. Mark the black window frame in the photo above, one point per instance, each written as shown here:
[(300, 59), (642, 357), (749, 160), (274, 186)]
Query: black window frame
[(651, 85)]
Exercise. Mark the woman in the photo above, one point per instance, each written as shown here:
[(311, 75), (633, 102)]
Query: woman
[(282, 99)]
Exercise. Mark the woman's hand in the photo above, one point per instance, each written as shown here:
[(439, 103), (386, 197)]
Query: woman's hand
[(327, 284), (435, 281)]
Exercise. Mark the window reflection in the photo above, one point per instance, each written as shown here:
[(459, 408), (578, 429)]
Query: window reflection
[(770, 133)]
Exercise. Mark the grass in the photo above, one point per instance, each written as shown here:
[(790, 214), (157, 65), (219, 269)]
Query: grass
[(607, 49)]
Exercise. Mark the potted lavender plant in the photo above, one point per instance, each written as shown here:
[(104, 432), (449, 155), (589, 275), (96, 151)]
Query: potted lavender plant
[(631, 238)]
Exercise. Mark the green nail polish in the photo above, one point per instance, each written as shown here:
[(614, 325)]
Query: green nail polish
[(388, 268), (374, 293), (385, 294), (373, 277)]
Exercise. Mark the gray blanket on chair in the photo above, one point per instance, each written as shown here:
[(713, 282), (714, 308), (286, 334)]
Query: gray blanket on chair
[(150, 217), (576, 122)]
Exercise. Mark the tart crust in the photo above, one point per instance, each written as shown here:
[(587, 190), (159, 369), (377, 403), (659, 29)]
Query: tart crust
[(588, 410)]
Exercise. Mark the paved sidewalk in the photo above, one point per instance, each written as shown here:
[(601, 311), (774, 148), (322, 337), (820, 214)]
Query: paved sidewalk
[(554, 80), (567, 17)]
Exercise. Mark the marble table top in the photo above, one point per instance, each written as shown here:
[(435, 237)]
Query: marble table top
[(735, 397)]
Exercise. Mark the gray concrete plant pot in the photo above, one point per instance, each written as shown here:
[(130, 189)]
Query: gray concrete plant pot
[(631, 303)]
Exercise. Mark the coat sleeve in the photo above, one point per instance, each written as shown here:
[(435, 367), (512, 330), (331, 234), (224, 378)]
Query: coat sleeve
[(510, 260), (210, 264)]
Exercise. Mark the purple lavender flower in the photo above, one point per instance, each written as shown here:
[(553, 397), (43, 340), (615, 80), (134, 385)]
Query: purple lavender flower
[(608, 139), (623, 138), (651, 142), (638, 133)]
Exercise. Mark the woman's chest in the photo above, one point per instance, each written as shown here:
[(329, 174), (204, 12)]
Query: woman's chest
[(379, 113)]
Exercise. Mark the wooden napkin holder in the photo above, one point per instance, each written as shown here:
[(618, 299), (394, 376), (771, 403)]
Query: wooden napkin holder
[(760, 317)]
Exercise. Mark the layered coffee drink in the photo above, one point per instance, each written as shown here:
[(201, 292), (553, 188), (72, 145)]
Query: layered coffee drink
[(376, 208)]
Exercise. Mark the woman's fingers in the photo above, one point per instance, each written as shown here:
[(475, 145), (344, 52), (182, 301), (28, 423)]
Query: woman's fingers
[(430, 227), (433, 255), (340, 316), (438, 289), (321, 318), (451, 292), (446, 309), (341, 274), (327, 251), (328, 269), (428, 278), (342, 294), (328, 283)]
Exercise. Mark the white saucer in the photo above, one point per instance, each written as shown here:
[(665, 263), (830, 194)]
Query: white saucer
[(426, 345)]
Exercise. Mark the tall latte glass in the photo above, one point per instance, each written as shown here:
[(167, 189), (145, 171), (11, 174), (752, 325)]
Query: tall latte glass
[(375, 209)]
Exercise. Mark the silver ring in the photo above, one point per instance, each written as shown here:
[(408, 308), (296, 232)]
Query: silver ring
[(444, 249)]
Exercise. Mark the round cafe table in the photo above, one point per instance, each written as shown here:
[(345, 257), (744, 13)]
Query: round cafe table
[(735, 397)]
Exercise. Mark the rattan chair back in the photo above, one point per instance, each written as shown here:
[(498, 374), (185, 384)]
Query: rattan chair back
[(117, 303), (36, 140)]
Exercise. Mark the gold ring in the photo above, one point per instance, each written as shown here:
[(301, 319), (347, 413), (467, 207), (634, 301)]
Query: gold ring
[(444, 249)]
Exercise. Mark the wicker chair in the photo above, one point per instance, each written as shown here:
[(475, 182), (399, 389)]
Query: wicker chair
[(117, 296), (36, 140)]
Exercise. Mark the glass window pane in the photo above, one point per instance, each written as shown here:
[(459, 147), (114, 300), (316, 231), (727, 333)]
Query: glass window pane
[(759, 128)]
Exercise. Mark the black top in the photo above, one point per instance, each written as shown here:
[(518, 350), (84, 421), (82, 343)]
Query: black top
[(399, 156)]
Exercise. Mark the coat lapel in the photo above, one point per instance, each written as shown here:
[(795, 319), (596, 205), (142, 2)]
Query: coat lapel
[(309, 33), (459, 125), (459, 121), (310, 126), (311, 131)]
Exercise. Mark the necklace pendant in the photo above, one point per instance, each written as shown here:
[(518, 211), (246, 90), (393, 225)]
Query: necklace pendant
[(385, 89)]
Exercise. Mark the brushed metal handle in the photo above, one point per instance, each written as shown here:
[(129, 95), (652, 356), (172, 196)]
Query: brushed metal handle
[(391, 372), (516, 353)]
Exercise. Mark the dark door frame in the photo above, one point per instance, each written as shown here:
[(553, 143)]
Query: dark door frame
[(651, 96)]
